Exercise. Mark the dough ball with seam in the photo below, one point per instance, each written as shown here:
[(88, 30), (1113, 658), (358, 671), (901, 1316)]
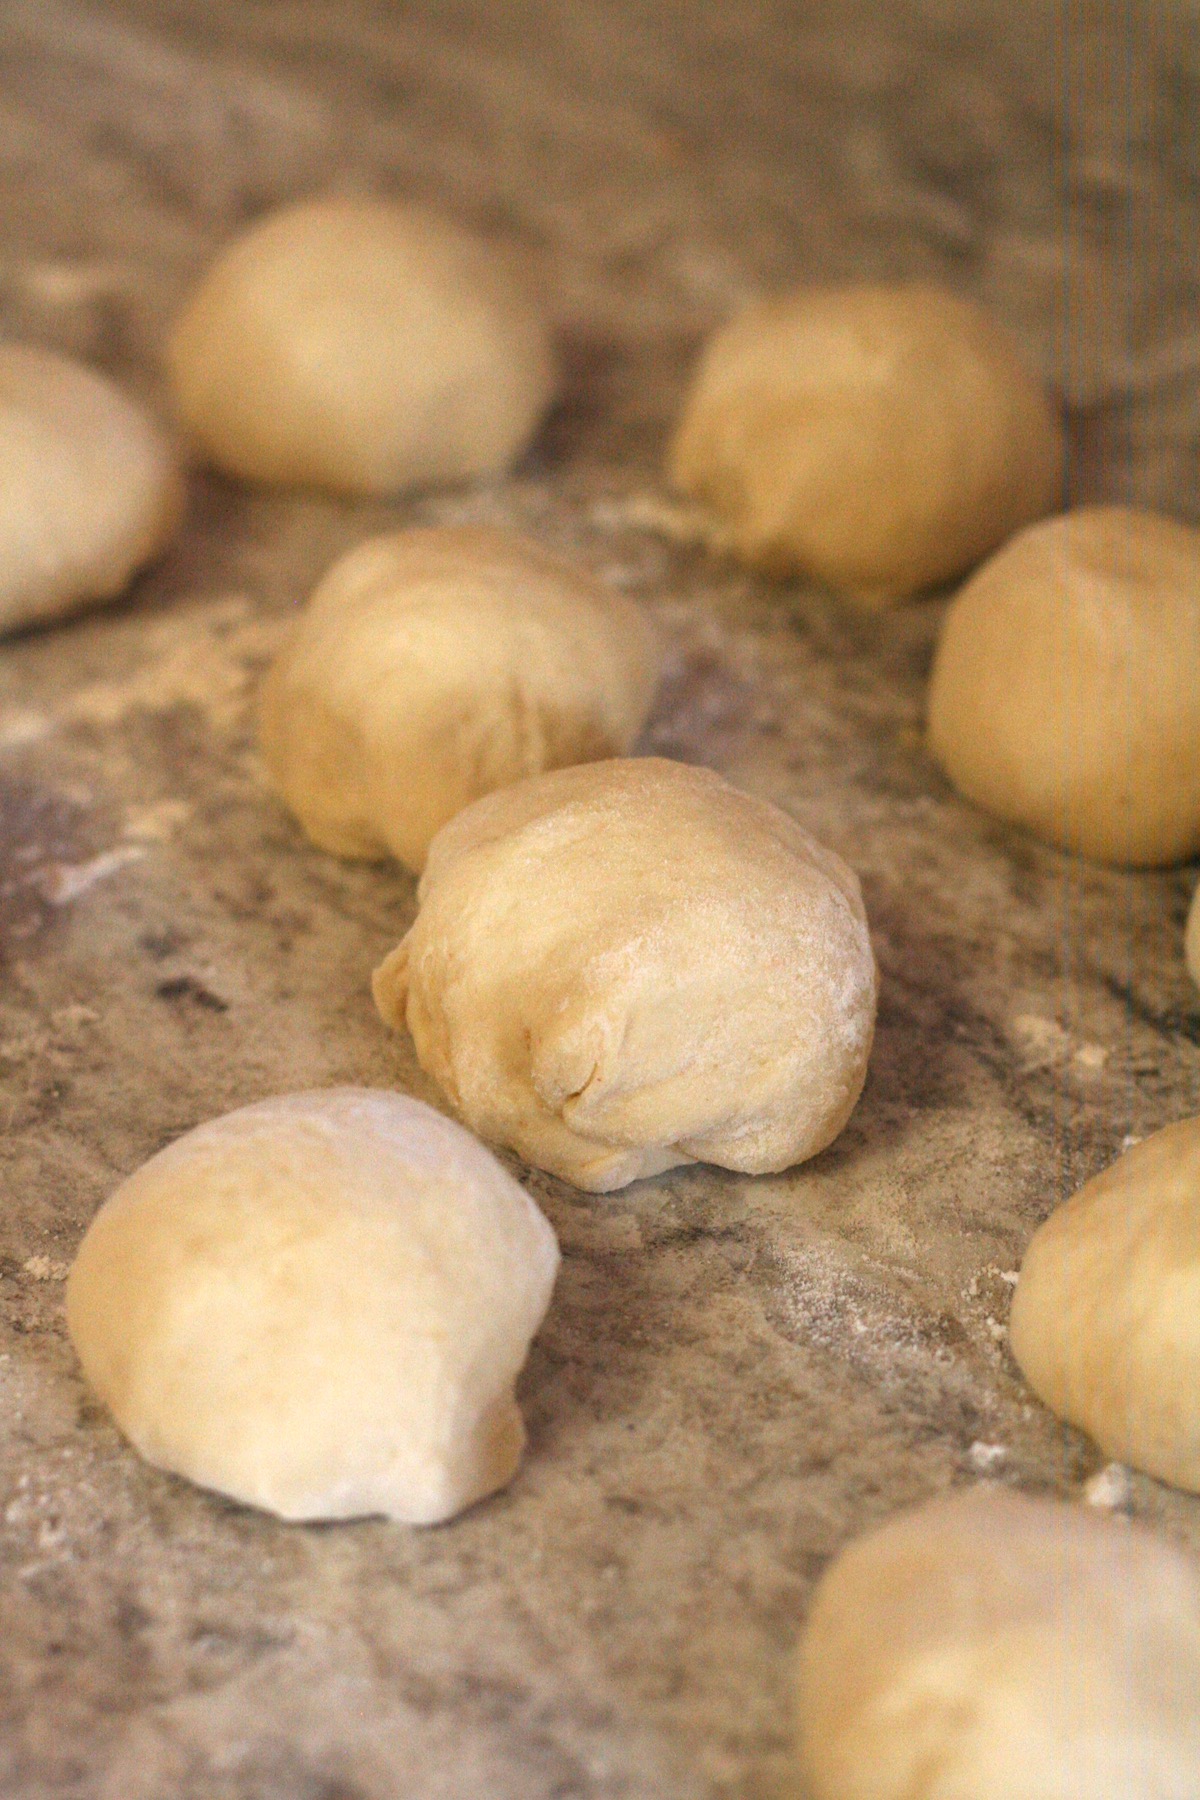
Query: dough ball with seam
[(90, 488), (362, 345), (629, 965), (989, 1647), (432, 666), (879, 439), (1106, 1317), (318, 1305)]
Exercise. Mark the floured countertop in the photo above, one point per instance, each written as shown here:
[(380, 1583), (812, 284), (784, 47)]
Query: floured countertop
[(736, 1375)]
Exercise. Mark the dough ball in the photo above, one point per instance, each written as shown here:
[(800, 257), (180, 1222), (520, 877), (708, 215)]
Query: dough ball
[(1191, 945), (433, 666), (878, 439), (989, 1647), (318, 1305), (1106, 1317), (361, 345), (628, 965), (89, 487), (1066, 688)]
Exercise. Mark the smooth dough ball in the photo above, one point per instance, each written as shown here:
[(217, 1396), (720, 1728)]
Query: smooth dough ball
[(1191, 947), (431, 667), (989, 1647), (318, 1305), (365, 346), (1065, 694), (89, 487), (1106, 1317), (877, 439), (629, 965)]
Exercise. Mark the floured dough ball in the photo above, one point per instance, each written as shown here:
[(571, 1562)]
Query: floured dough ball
[(989, 1647), (1106, 1317), (629, 965), (89, 487), (1065, 694), (433, 666), (366, 346), (877, 439), (318, 1305), (1191, 946)]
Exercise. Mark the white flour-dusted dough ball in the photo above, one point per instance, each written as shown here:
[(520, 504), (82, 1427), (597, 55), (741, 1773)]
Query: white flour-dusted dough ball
[(1065, 694), (879, 439), (989, 1647), (89, 487), (1106, 1317), (366, 346), (318, 1305), (1191, 943), (433, 666), (629, 965)]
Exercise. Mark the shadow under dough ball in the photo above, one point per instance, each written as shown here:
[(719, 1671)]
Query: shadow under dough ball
[(629, 965), (318, 1305), (1065, 694), (433, 666), (877, 439), (989, 1647), (90, 489), (365, 346), (1106, 1317)]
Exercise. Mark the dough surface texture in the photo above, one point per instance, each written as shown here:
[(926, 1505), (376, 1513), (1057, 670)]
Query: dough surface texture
[(1191, 943), (628, 965), (90, 489), (364, 346), (433, 666), (1106, 1317), (318, 1305), (1065, 694), (990, 1647), (878, 439)]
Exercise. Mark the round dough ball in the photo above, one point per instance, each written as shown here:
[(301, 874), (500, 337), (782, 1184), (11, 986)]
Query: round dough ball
[(629, 965), (433, 666), (89, 487), (1066, 688), (318, 1305), (1106, 1317), (365, 346), (1191, 945), (878, 439), (989, 1647)]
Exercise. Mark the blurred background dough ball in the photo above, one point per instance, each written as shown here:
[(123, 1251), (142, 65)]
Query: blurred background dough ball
[(1065, 694), (365, 346), (877, 439), (623, 967), (90, 489), (1106, 1317), (432, 666), (989, 1647), (318, 1305)]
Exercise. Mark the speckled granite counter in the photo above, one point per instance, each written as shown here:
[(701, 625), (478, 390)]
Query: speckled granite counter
[(736, 1374)]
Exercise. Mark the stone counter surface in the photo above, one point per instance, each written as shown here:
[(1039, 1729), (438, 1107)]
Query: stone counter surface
[(736, 1375)]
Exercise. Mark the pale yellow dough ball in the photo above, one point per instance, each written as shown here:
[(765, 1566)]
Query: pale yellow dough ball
[(877, 439), (90, 489), (989, 1647), (433, 666), (318, 1305), (629, 965), (1065, 694), (365, 346), (1106, 1317)]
